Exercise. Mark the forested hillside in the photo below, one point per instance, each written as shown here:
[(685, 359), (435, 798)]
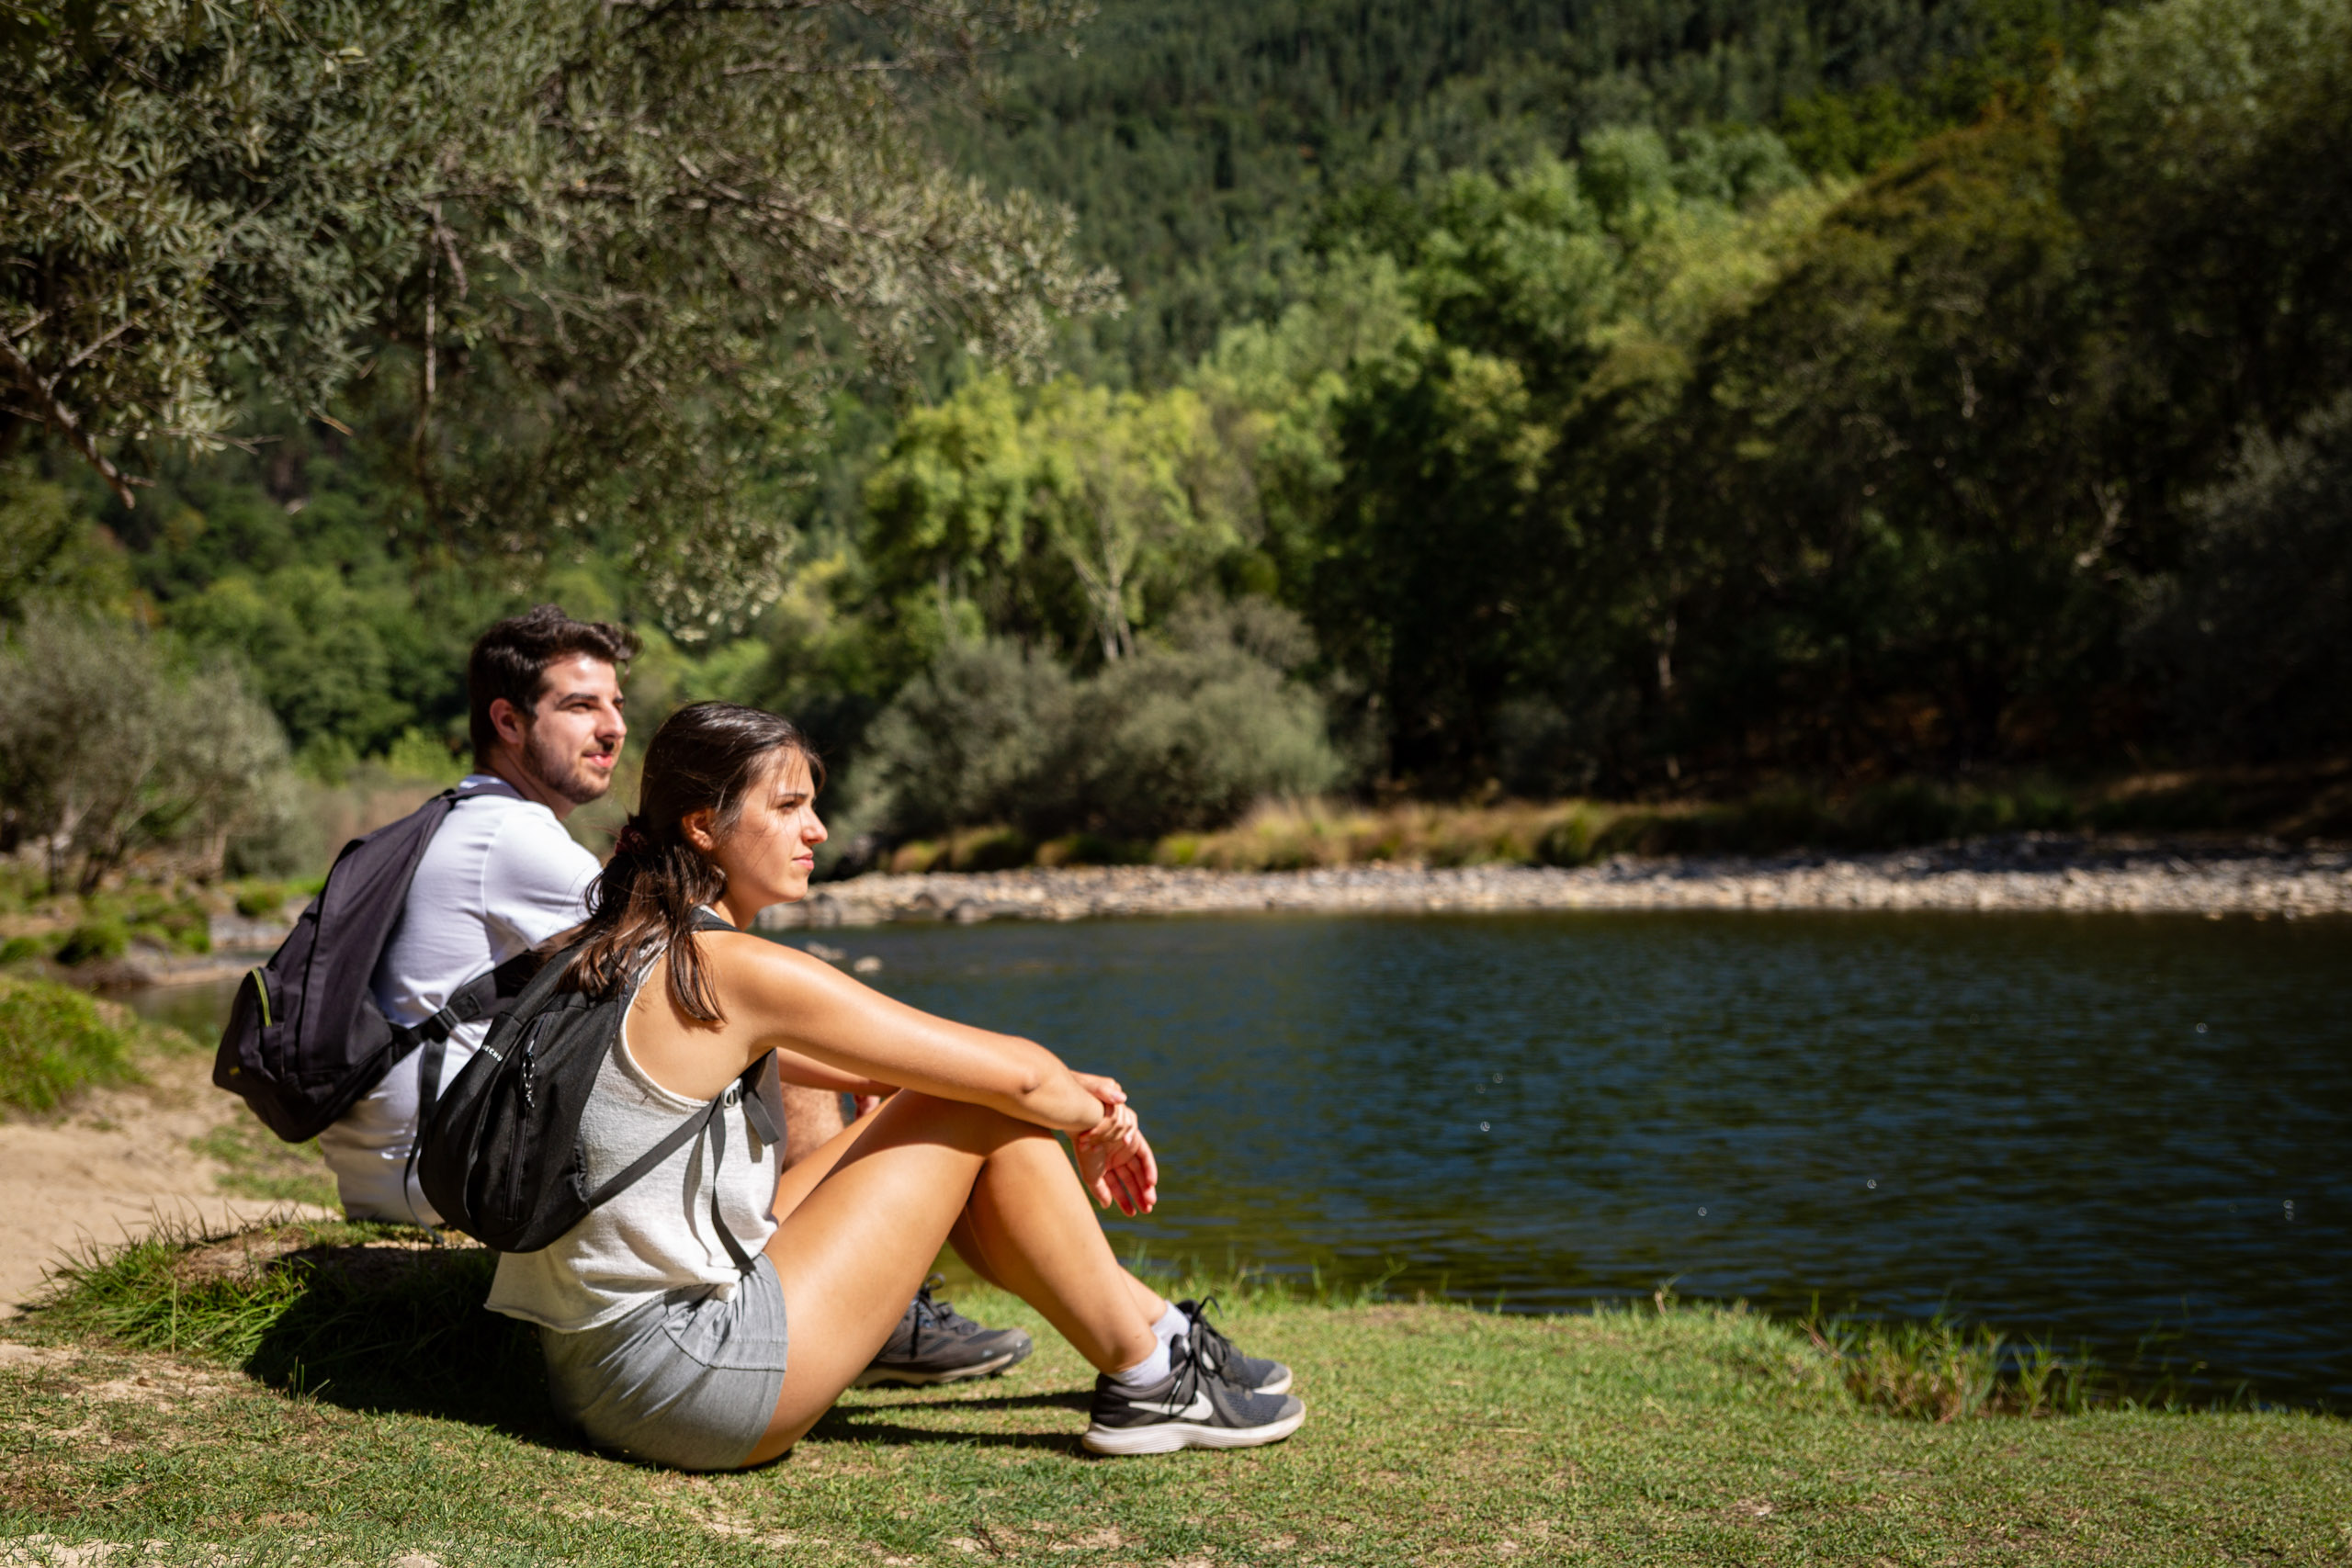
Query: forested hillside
[(1634, 399), (1205, 146)]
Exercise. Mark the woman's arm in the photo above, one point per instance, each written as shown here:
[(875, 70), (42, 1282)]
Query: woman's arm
[(809, 1073), (779, 998)]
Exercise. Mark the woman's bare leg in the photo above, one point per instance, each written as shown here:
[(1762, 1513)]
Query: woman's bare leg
[(863, 1216), (973, 1250), (800, 1179)]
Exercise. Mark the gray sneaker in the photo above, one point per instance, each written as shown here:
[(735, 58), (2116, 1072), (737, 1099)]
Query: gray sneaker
[(1192, 1408), (934, 1343), (1255, 1374)]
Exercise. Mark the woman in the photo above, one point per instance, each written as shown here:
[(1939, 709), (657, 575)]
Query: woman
[(658, 1342)]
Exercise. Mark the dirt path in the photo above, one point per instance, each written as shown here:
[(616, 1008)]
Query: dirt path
[(114, 1166)]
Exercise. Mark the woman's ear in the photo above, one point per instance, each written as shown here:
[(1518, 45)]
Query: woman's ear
[(696, 826)]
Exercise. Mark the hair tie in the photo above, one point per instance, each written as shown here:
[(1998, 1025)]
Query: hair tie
[(632, 839)]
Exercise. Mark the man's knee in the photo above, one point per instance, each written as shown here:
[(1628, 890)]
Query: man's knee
[(813, 1117)]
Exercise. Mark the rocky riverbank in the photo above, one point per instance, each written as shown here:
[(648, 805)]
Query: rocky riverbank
[(2023, 872), (2019, 873)]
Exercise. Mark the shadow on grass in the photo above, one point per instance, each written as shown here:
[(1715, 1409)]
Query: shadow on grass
[(387, 1319), (401, 1328), (885, 1423), (1068, 1399), (869, 1424), (377, 1318)]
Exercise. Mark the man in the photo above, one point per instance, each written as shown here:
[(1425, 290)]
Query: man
[(501, 876)]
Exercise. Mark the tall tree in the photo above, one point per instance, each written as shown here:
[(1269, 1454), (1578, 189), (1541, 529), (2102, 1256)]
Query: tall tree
[(1067, 516)]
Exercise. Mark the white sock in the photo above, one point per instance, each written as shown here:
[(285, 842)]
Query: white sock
[(1172, 1325), (1153, 1369)]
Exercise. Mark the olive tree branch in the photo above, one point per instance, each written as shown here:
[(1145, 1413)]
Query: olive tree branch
[(59, 418)]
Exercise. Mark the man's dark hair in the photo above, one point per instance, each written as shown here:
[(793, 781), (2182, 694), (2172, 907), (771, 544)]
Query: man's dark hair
[(511, 661)]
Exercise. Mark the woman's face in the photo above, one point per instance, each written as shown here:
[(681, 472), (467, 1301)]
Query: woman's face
[(769, 855)]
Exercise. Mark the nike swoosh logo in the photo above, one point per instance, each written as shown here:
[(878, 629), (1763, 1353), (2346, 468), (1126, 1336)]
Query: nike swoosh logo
[(1193, 1412)]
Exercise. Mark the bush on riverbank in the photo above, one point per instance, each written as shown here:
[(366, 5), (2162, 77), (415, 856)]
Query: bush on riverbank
[(1295, 835), (56, 1041), (149, 907), (112, 742), (1181, 734), (1691, 1434)]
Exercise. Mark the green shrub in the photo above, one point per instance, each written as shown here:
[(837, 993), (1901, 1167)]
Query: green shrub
[(1570, 841), (1171, 739), (106, 936), (53, 1042), (181, 927), (976, 848), (2252, 642), (256, 900), (969, 741), (1177, 848), (109, 744), (1482, 843), (1092, 848), (916, 857), (1175, 736), (20, 949), (991, 849)]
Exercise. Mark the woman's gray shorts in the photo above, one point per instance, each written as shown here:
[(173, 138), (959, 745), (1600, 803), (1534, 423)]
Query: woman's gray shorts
[(685, 1381)]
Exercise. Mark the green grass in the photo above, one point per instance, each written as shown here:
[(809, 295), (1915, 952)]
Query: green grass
[(336, 1394), (256, 1164), (55, 1042), (72, 929)]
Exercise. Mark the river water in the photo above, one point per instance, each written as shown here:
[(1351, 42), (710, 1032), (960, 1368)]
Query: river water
[(2129, 1131), (2082, 1128)]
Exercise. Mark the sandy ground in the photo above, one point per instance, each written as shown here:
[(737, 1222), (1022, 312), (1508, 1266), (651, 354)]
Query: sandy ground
[(114, 1166)]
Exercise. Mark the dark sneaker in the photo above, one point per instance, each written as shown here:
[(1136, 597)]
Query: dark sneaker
[(1217, 1352), (934, 1343), (1193, 1409)]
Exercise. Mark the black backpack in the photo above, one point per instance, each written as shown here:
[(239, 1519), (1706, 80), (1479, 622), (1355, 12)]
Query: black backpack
[(499, 1156), (305, 1037)]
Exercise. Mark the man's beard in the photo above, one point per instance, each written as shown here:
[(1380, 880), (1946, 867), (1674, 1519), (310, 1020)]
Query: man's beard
[(566, 772)]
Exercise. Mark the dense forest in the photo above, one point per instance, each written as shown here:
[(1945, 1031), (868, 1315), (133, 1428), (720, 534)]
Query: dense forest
[(1640, 398)]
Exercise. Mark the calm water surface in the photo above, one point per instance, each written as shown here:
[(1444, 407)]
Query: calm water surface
[(2078, 1127)]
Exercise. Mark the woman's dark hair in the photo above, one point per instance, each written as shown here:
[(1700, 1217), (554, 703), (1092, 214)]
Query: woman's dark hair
[(706, 757)]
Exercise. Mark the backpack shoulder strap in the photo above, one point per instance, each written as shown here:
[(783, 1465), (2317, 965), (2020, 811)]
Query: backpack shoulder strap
[(469, 1001), (746, 1089)]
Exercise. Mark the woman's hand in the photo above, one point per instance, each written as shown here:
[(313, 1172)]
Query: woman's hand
[(1113, 1161), (1107, 1091)]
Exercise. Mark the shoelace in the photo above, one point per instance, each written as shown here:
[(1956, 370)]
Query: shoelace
[(1210, 1348), (1190, 1369), (930, 1313)]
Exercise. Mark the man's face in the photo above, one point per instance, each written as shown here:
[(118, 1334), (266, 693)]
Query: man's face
[(573, 737)]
